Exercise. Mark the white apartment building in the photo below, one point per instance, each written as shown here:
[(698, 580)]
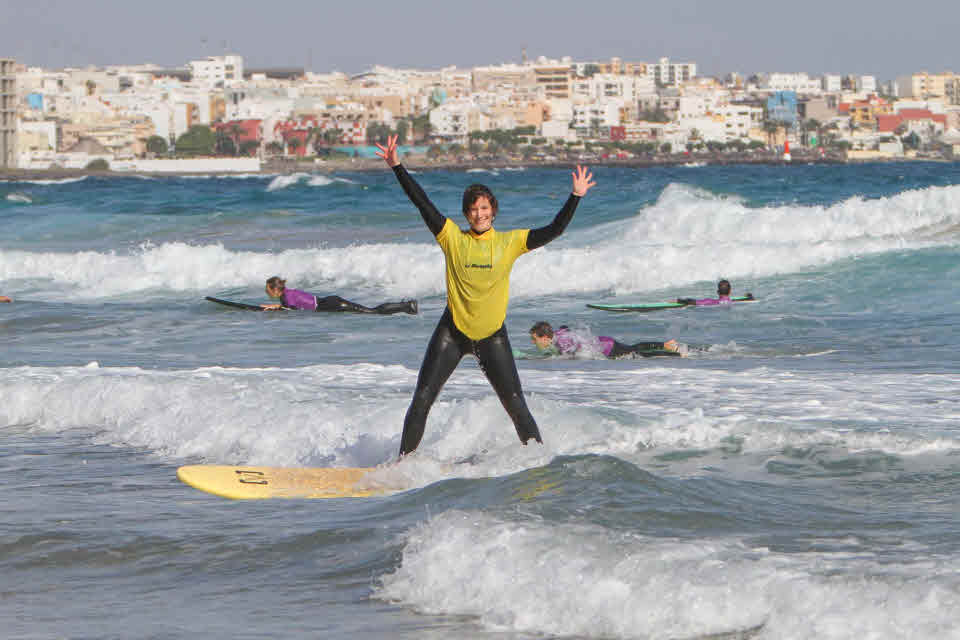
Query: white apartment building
[(450, 120), (866, 84), (800, 83), (8, 113), (35, 137), (217, 71), (739, 120), (671, 74), (608, 85), (597, 114), (831, 83)]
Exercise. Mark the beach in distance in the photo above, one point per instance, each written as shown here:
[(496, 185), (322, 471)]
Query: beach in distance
[(795, 476)]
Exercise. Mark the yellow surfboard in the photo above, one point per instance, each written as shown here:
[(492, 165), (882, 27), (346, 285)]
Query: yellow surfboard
[(244, 483)]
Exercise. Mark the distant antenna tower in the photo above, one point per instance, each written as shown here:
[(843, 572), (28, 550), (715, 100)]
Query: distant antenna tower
[(523, 55)]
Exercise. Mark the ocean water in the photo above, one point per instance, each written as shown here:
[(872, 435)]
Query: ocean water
[(798, 478)]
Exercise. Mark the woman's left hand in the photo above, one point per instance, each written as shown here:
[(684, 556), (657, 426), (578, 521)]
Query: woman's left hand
[(582, 181)]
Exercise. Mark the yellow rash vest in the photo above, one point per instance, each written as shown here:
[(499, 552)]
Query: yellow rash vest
[(478, 275)]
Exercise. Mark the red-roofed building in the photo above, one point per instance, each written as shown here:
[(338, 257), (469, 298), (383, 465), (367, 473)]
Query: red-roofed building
[(241, 132), (926, 124)]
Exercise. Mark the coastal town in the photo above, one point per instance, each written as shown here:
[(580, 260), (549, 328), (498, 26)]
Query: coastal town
[(218, 115)]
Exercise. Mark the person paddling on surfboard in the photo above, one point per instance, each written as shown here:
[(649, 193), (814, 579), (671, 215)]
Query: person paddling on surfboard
[(296, 299), (723, 296), (5, 299), (478, 264), (563, 341)]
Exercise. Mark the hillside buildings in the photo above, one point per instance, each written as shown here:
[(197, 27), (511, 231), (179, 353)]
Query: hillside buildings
[(55, 117)]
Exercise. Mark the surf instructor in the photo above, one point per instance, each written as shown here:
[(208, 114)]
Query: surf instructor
[(478, 264)]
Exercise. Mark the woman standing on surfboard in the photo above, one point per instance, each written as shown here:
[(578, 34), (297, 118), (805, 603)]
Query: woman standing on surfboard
[(478, 264)]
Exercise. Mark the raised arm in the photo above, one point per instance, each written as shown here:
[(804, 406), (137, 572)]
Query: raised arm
[(582, 182), (431, 216)]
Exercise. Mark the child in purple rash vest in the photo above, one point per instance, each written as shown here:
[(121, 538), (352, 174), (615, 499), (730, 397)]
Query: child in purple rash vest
[(563, 341), (723, 296), (296, 299)]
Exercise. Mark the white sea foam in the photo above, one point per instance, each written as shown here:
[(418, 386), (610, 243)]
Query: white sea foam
[(327, 414), (687, 236), (311, 180), (57, 181), (19, 197), (578, 580)]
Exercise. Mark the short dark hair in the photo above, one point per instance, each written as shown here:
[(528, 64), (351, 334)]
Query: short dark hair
[(476, 191), (276, 282), (542, 328), (723, 287)]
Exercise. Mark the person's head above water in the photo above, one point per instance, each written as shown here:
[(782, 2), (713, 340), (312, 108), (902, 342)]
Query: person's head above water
[(479, 207), (541, 334), (723, 288), (276, 286)]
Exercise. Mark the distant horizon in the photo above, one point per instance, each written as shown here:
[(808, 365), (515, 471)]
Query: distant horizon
[(822, 38)]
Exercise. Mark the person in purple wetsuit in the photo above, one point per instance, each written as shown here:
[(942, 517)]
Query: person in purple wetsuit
[(563, 341), (723, 296), (296, 299)]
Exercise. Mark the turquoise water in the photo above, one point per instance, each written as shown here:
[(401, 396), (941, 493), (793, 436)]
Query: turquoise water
[(797, 479)]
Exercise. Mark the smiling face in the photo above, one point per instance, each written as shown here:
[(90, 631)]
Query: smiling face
[(480, 215)]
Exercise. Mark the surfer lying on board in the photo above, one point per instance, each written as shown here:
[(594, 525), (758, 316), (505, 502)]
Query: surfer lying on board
[(5, 299), (562, 341), (296, 299), (478, 264), (723, 296)]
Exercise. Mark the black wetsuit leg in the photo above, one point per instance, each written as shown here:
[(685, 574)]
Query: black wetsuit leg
[(447, 347), (443, 355), (496, 360), (336, 303), (619, 349)]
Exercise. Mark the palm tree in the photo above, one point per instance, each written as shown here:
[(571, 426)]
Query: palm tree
[(771, 128), (235, 131)]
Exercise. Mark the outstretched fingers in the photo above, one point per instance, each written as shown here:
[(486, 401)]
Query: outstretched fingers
[(389, 152), (582, 181)]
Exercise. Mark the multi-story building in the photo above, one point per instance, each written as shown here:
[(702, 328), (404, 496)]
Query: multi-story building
[(8, 114), (505, 76), (553, 79), (671, 74), (831, 83), (952, 90), (217, 71), (799, 83), (924, 85), (782, 107)]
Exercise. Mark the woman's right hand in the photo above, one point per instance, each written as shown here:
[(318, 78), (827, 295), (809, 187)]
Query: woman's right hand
[(389, 152)]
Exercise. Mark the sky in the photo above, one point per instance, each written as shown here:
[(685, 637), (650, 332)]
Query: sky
[(879, 37)]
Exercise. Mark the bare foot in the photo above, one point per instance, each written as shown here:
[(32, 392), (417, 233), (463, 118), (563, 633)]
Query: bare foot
[(670, 345)]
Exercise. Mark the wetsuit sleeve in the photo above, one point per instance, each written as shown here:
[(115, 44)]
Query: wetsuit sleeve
[(434, 219), (543, 235)]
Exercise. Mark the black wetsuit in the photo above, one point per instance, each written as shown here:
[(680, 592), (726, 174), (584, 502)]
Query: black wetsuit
[(449, 344)]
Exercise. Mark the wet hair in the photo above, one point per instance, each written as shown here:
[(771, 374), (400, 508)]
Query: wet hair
[(723, 288), (475, 191), (276, 282), (541, 329)]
